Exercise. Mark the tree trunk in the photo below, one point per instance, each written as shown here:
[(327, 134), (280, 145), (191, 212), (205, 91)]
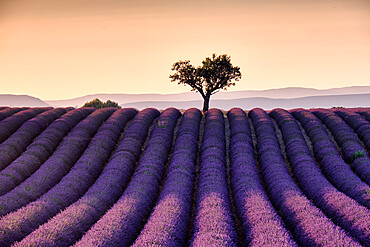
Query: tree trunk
[(206, 103)]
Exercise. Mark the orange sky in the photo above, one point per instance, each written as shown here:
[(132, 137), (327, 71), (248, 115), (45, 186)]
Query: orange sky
[(65, 49)]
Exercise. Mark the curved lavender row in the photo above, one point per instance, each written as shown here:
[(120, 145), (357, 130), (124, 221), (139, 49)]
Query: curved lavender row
[(7, 112), (342, 209), (309, 224), (12, 147), (358, 123), (332, 164), (261, 224), (10, 124), (39, 150), (348, 142), (57, 165), (70, 224), (365, 113), (121, 224), (16, 225), (213, 223), (343, 134), (168, 223)]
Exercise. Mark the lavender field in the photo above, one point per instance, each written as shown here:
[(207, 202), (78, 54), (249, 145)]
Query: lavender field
[(122, 177)]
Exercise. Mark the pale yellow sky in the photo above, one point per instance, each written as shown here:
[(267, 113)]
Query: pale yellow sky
[(65, 49)]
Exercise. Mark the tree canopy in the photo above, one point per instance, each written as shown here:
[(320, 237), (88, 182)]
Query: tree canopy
[(215, 74), (97, 104)]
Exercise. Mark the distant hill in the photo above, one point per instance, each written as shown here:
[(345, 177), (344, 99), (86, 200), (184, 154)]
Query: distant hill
[(350, 100), (291, 97), (282, 93), (21, 101)]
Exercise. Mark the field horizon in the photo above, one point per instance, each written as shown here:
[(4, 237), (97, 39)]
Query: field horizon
[(290, 97)]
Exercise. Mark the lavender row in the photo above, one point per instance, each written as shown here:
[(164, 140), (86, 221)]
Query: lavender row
[(351, 147), (169, 221), (213, 224), (10, 124), (12, 147), (358, 123), (332, 165), (261, 224), (121, 224), (39, 150), (57, 165), (309, 224), (343, 210), (343, 134), (7, 112), (70, 224), (72, 186), (365, 113)]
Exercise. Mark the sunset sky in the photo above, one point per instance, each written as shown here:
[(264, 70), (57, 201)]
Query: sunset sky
[(64, 49)]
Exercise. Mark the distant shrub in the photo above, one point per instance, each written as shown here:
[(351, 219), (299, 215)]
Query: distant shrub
[(337, 107), (97, 104)]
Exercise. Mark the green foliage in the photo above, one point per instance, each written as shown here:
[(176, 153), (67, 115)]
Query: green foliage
[(359, 153), (337, 107), (216, 73), (97, 104)]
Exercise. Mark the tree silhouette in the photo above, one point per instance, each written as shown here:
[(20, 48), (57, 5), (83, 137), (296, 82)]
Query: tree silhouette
[(216, 73), (97, 104)]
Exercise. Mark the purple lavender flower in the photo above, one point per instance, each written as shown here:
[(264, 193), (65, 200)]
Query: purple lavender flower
[(332, 164), (69, 225), (348, 141), (365, 112), (343, 210), (213, 224), (39, 150), (10, 124), (23, 221), (57, 165), (122, 223), (261, 224), (308, 223), (19, 140), (8, 111), (168, 223)]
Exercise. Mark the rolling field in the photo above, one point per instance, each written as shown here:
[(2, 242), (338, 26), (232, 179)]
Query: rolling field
[(108, 177)]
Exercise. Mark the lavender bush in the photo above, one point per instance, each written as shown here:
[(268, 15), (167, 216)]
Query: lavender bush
[(365, 113), (17, 143), (72, 186), (168, 223), (85, 178), (358, 123), (57, 165), (8, 111), (309, 224), (348, 142), (9, 125), (39, 150), (213, 223), (123, 222), (332, 164), (343, 210), (261, 224), (70, 224)]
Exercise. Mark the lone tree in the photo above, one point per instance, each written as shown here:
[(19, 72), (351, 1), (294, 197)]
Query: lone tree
[(97, 104), (216, 73)]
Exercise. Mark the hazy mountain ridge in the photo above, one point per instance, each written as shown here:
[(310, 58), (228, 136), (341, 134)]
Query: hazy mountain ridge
[(21, 101), (291, 97), (350, 100), (281, 93)]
